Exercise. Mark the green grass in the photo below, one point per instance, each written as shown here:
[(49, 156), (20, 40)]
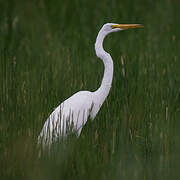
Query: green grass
[(47, 54)]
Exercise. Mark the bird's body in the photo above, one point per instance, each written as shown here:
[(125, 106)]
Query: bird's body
[(73, 113)]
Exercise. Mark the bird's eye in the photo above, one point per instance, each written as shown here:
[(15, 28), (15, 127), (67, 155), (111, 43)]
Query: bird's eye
[(108, 28)]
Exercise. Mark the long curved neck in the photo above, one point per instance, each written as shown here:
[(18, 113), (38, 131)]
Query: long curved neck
[(105, 87)]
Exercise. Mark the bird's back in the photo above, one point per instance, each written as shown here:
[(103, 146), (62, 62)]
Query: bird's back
[(69, 116)]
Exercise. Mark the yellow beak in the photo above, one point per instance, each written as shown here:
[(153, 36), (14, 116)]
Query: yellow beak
[(127, 26)]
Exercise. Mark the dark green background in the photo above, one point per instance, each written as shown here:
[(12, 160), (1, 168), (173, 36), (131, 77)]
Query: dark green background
[(47, 54)]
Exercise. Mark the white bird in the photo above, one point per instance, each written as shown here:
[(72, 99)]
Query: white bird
[(73, 113)]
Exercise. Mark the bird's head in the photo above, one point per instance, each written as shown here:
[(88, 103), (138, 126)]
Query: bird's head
[(112, 27), (107, 29)]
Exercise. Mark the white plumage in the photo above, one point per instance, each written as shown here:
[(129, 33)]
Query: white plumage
[(73, 113)]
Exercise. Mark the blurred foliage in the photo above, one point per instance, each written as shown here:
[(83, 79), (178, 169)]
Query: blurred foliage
[(47, 54)]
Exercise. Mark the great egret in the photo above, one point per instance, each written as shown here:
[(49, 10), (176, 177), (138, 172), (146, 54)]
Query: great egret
[(74, 112)]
